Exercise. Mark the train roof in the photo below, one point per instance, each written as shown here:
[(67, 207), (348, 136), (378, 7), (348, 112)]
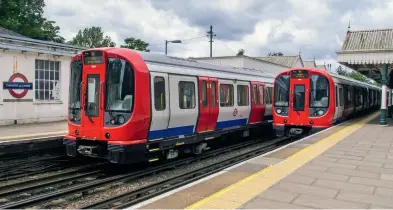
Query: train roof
[(156, 58), (334, 75), (176, 61)]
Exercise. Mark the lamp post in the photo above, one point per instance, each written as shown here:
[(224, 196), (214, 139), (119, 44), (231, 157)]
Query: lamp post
[(166, 44)]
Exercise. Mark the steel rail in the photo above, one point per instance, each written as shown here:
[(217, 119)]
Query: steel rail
[(142, 194), (130, 176)]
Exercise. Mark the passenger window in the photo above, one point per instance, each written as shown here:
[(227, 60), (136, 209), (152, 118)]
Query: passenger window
[(269, 91), (255, 94), (214, 100), (226, 95), (242, 95), (261, 95), (299, 98), (336, 97), (186, 95), (159, 93), (341, 96), (204, 93)]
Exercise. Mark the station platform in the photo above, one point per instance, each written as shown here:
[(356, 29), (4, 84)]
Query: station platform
[(34, 130), (344, 167), (23, 137)]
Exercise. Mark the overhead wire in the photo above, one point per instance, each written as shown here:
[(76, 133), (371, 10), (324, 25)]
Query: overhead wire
[(180, 40), (225, 44)]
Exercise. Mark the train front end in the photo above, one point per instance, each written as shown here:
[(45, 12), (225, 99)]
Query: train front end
[(302, 102), (106, 119)]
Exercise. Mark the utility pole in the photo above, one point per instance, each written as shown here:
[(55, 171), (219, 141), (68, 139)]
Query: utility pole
[(166, 47), (210, 33)]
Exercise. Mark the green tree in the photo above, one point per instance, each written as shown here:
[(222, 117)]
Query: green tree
[(25, 17), (275, 54), (135, 44), (91, 38), (358, 76), (341, 71), (240, 52), (354, 75)]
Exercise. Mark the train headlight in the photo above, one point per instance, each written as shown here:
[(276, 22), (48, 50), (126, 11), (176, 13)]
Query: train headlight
[(121, 119), (278, 111), (320, 112)]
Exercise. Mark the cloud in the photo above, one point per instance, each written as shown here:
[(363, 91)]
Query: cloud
[(317, 27)]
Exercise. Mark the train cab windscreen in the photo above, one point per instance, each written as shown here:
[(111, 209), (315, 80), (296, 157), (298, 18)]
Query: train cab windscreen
[(75, 91), (281, 94), (119, 86), (319, 94)]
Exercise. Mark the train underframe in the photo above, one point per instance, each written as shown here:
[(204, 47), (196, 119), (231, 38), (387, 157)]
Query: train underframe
[(295, 130), (163, 149)]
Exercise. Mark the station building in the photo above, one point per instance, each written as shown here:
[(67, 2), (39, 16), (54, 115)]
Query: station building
[(270, 64), (34, 76)]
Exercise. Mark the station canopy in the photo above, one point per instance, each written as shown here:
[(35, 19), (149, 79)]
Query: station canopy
[(366, 51)]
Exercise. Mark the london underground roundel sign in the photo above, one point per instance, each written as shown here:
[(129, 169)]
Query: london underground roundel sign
[(18, 85)]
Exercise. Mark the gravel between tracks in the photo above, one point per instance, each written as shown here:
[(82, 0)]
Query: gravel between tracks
[(93, 196)]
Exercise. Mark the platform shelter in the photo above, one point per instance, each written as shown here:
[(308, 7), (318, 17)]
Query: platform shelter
[(370, 52)]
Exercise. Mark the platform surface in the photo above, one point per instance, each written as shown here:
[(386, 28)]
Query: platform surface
[(31, 131), (345, 167)]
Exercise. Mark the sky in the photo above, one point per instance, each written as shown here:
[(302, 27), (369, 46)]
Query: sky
[(315, 28)]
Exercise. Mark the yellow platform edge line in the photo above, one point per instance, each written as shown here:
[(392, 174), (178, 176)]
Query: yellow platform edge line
[(233, 196), (33, 135)]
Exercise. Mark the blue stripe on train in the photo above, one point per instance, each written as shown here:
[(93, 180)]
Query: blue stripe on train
[(186, 130), (165, 133), (231, 123)]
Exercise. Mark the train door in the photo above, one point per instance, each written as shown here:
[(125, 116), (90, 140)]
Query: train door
[(184, 108), (159, 105), (208, 104), (298, 100), (262, 100), (93, 102), (257, 102), (340, 107), (268, 100), (336, 102), (213, 104)]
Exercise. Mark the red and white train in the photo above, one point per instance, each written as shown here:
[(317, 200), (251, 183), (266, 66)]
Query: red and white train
[(130, 106), (307, 100)]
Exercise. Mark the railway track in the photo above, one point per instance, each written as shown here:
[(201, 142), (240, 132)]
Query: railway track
[(43, 194), (38, 165), (155, 189)]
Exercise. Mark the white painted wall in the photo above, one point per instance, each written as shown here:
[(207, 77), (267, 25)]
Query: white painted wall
[(244, 62), (36, 111), (264, 66), (226, 61)]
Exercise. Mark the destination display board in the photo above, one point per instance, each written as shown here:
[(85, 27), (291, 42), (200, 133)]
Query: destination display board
[(93, 57), (299, 74)]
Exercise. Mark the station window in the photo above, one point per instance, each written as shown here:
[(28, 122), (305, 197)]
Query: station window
[(159, 93), (226, 95), (47, 80), (186, 95), (242, 95), (261, 91)]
